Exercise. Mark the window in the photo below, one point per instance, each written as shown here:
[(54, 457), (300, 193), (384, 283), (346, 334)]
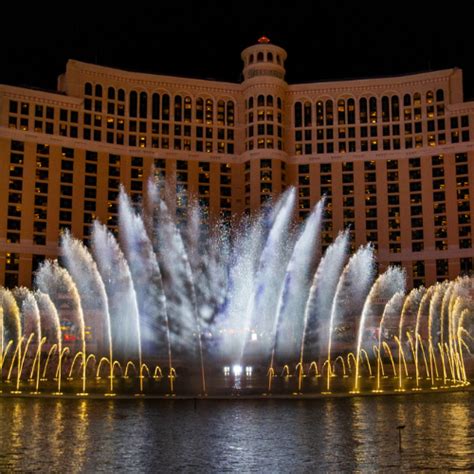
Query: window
[(298, 114), (133, 104)]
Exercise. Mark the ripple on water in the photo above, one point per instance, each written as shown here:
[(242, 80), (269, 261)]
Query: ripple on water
[(357, 434)]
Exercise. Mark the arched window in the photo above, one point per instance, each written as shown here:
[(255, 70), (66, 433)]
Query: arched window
[(373, 109), (307, 114), (350, 111), (298, 114), (260, 57), (278, 59), (341, 111), (209, 111), (188, 106), (121, 95), (279, 103), (407, 100), (440, 95), (98, 90), (178, 108), (319, 113), (261, 100), (429, 97), (143, 104), (363, 110), (416, 99), (220, 112), (199, 110), (133, 104), (385, 109), (329, 112), (155, 106), (230, 113), (395, 108), (250, 102), (269, 100), (111, 93), (165, 110), (251, 59), (270, 57), (88, 88)]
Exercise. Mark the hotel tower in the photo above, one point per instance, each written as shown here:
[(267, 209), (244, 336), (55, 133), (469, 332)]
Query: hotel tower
[(394, 157)]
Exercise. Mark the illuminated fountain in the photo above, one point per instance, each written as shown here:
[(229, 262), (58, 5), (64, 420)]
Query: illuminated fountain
[(175, 306)]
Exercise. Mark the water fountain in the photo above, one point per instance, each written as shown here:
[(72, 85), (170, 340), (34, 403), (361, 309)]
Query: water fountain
[(174, 308)]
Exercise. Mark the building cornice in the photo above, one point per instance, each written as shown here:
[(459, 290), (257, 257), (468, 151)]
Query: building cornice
[(40, 97), (369, 86), (150, 81)]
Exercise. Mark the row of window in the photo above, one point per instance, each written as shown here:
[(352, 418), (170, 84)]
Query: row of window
[(267, 56), (160, 107), (463, 220), (369, 109)]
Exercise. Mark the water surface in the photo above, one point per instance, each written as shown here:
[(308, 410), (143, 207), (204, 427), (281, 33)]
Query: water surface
[(351, 434)]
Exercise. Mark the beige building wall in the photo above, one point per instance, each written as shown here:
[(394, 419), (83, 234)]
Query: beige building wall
[(393, 156)]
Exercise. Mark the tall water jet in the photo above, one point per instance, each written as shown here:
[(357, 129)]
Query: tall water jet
[(423, 311), (289, 325), (12, 328), (351, 291), (261, 307), (434, 326), (51, 326), (31, 320), (174, 266), (466, 313), (233, 322), (444, 315), (121, 294), (58, 283), (90, 285), (317, 313), (29, 313), (179, 284), (457, 310), (147, 280), (391, 312), (387, 284), (457, 304), (208, 252), (407, 323)]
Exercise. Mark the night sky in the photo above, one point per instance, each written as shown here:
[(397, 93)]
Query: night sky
[(325, 40)]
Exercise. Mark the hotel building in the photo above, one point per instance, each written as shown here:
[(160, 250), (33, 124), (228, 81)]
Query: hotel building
[(394, 156)]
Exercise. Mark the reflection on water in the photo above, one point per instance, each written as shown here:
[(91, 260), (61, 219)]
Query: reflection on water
[(264, 436)]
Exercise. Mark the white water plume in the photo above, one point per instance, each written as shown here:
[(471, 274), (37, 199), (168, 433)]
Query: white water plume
[(317, 312), (115, 273), (30, 316), (389, 283), (352, 289), (91, 288), (11, 317), (147, 279), (288, 331), (262, 306), (50, 322)]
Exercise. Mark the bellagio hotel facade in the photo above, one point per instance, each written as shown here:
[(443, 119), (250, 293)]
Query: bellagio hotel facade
[(393, 156)]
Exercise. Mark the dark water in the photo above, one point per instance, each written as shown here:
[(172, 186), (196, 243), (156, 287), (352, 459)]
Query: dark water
[(352, 434)]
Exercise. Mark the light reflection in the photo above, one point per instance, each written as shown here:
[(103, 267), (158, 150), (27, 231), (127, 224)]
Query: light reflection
[(237, 370), (81, 434), (357, 434)]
